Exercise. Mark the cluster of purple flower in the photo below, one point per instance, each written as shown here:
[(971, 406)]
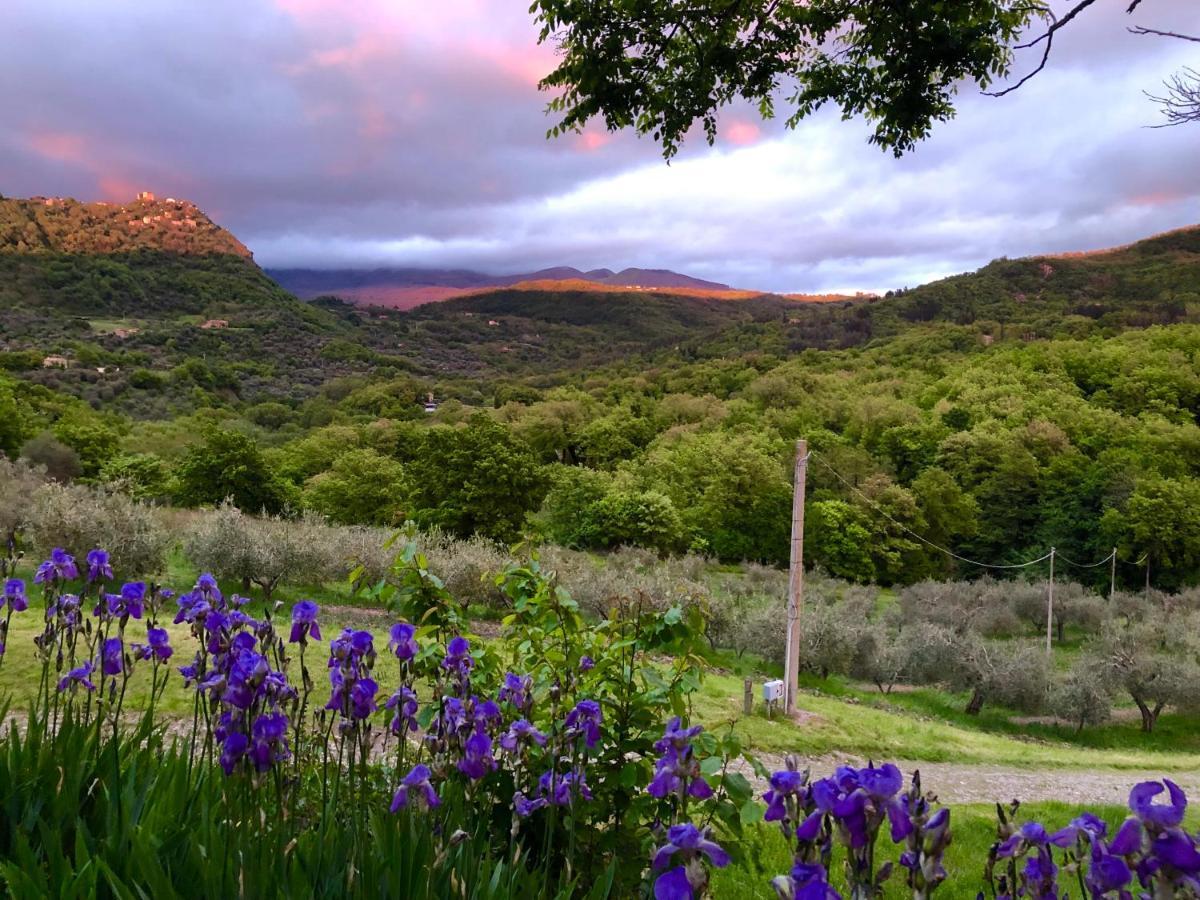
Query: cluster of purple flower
[(852, 806), (677, 778), (12, 601), (233, 673), (1151, 847)]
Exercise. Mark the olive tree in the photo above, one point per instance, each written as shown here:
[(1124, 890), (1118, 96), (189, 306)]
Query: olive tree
[(80, 518), (1154, 662), (262, 551)]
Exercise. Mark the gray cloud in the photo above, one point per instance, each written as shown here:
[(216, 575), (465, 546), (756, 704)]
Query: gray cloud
[(409, 133)]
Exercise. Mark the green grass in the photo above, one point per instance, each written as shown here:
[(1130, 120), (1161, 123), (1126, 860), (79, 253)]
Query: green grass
[(847, 726)]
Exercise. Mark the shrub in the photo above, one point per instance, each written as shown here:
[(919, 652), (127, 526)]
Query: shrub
[(58, 460), (262, 551), (19, 483), (229, 466), (80, 518), (1083, 696), (362, 487)]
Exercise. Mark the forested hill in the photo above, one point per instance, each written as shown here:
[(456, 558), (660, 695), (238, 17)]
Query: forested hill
[(65, 225), (1154, 281), (144, 258)]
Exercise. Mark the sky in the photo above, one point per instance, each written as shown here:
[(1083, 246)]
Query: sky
[(366, 133)]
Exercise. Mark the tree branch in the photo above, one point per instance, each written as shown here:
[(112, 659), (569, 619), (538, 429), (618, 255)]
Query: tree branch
[(1139, 29), (1048, 37)]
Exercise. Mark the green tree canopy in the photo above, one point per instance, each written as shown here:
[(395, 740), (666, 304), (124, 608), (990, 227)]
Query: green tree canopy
[(228, 465)]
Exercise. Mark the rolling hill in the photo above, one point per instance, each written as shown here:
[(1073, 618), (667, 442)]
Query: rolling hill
[(408, 288)]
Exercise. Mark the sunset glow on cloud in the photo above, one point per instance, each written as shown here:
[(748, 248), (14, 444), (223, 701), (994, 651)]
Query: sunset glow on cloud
[(413, 133)]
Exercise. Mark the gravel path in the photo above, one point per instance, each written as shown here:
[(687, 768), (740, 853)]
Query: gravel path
[(956, 783)]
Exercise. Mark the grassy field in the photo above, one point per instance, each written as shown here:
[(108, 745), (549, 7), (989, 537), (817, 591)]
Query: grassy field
[(974, 831)]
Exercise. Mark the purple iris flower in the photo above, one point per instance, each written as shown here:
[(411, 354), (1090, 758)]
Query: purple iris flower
[(525, 807), (403, 641), (1108, 873), (416, 782), (786, 784), (561, 790), (133, 598), (112, 656), (586, 664), (1163, 815), (486, 712), (1178, 850), (81, 675), (304, 622), (1128, 839), (158, 646), (519, 733), (404, 702), (98, 565), (689, 841), (458, 656), (14, 595), (673, 885), (232, 750), (808, 881), (678, 764), (362, 698), (477, 758), (59, 567), (206, 587), (585, 719), (516, 690), (269, 740)]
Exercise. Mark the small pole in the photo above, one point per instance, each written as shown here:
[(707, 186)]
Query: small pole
[(1112, 575), (1050, 606), (795, 580), (748, 697)]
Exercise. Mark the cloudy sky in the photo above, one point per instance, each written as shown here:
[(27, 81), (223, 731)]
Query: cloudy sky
[(407, 132)]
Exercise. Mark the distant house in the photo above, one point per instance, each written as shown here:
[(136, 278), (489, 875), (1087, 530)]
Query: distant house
[(146, 196), (55, 362), (122, 333), (493, 322), (215, 323), (430, 404)]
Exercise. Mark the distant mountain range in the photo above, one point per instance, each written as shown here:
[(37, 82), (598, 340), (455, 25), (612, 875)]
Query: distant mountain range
[(406, 288)]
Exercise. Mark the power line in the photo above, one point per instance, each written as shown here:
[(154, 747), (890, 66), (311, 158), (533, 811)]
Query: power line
[(922, 538), (1111, 556)]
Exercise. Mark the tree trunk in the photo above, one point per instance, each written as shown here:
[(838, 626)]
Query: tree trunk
[(1149, 716), (975, 704)]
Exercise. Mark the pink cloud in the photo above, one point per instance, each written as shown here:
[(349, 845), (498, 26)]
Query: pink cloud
[(60, 146), (742, 133), (591, 141)]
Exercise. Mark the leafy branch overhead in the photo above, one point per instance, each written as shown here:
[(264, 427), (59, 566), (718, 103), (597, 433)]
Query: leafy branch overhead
[(662, 66)]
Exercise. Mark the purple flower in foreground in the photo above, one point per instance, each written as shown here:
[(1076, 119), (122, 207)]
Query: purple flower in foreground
[(404, 703), (516, 690), (112, 656), (14, 595), (417, 783), (269, 741), (232, 750), (206, 587), (689, 842), (586, 664), (678, 771), (585, 720), (403, 641), (304, 622), (808, 881), (561, 790), (520, 733), (524, 806), (80, 675), (458, 656), (59, 567), (1163, 815), (477, 758), (673, 885), (98, 565), (362, 698), (158, 646)]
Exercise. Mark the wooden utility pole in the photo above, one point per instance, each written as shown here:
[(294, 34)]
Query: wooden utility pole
[(1112, 575), (1050, 607), (795, 581)]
